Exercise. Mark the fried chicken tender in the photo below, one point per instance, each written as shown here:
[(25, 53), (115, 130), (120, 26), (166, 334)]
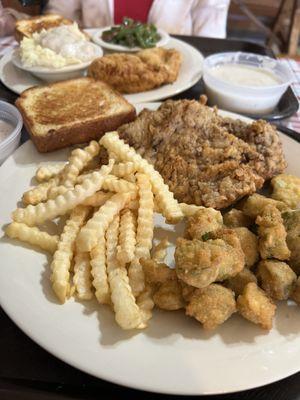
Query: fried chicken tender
[(134, 73), (200, 263), (169, 296), (238, 282), (254, 305), (255, 204), (212, 305), (205, 220), (292, 225), (295, 295), (272, 234), (276, 278), (249, 244), (286, 188), (236, 219)]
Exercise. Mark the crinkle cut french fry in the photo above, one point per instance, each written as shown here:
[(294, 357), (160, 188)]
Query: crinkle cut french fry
[(78, 160), (32, 215), (144, 233), (127, 237), (46, 172), (97, 199), (160, 250), (40, 192), (61, 263), (123, 169), (96, 226), (145, 304), (127, 313), (189, 209), (82, 278), (114, 184), (99, 272), (33, 236), (169, 206)]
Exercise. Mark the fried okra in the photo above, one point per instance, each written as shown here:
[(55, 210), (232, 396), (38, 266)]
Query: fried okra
[(168, 296), (295, 295), (212, 305), (205, 220), (254, 305), (272, 234), (236, 219), (291, 221), (286, 188), (249, 243), (238, 282), (157, 272), (276, 278), (200, 263), (256, 203)]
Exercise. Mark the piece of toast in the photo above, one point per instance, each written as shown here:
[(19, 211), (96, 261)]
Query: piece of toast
[(71, 112), (26, 27)]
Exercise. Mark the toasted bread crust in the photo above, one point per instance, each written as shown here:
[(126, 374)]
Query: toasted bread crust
[(80, 133)]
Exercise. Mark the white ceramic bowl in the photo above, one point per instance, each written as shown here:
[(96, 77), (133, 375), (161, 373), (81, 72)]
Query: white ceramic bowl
[(10, 113), (118, 48), (55, 74), (250, 100)]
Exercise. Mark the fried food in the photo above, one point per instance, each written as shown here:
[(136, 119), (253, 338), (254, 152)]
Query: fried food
[(204, 221), (237, 283), (169, 296), (200, 263), (295, 295), (46, 172), (212, 305), (272, 234), (99, 272), (82, 278), (276, 278), (291, 221), (249, 243), (127, 237), (156, 272), (254, 305), (134, 73), (159, 252), (256, 203), (286, 188), (200, 161), (236, 219)]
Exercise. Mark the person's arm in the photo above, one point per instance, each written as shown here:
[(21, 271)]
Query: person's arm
[(67, 8), (8, 17), (210, 18)]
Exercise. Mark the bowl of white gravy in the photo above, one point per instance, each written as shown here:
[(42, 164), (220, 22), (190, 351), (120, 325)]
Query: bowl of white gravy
[(11, 123), (247, 83)]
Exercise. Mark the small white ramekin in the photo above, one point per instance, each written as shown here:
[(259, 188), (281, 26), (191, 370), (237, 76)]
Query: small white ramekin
[(10, 114), (251, 100)]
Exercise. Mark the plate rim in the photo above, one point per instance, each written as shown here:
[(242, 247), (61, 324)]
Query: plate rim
[(115, 379)]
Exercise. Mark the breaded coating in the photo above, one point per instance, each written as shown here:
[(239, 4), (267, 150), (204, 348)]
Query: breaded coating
[(292, 225), (187, 291), (254, 305), (249, 243), (157, 272), (212, 305), (264, 138), (200, 161), (295, 295), (205, 220), (234, 259), (272, 234), (169, 296), (200, 263), (138, 72), (238, 282), (236, 219), (286, 188), (255, 204), (276, 278)]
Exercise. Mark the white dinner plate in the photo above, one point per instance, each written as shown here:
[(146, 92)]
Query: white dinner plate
[(190, 72), (174, 354), (97, 38)]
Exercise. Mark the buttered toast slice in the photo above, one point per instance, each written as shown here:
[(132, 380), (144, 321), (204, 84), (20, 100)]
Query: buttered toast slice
[(26, 27), (71, 112)]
